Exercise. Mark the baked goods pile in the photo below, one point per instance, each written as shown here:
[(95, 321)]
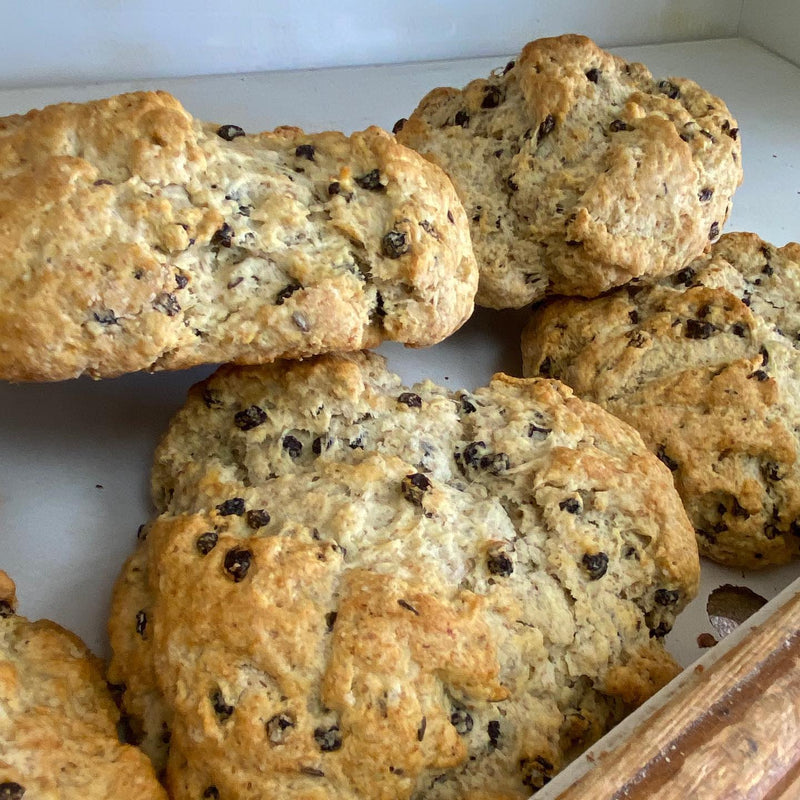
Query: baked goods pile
[(358, 589)]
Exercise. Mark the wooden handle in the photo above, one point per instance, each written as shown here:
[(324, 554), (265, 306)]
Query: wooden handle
[(731, 732)]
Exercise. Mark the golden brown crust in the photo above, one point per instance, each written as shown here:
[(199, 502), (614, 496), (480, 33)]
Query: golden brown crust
[(133, 236), (58, 723), (580, 171), (319, 624), (705, 366)]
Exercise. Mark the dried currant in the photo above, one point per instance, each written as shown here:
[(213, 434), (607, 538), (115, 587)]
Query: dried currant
[(461, 720), (166, 303), (661, 630), (596, 564), (328, 739), (495, 463), (410, 399), (492, 97), (546, 127), (394, 244), (237, 563), (206, 542), (698, 329), (669, 89), (662, 456), (257, 518), (371, 180), (499, 563), (221, 708), (593, 75), (666, 597), (286, 293), (106, 317), (572, 505), (211, 399), (305, 151), (684, 276), (11, 790), (292, 445), (467, 406), (493, 729), (279, 727), (705, 195), (229, 132), (414, 487), (223, 237), (231, 508), (250, 418)]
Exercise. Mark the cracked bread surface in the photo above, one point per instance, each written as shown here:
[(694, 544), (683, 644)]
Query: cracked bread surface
[(133, 236), (580, 171), (359, 590), (58, 721), (706, 366)]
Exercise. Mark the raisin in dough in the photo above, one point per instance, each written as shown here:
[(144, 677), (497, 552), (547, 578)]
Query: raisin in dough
[(580, 171), (133, 236), (356, 590), (706, 366), (58, 722)]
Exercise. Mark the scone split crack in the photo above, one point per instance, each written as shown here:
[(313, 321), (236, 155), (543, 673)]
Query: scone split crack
[(444, 590)]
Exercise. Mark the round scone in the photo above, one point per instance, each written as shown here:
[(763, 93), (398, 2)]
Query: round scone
[(579, 170), (58, 721), (706, 366), (357, 590), (133, 236)]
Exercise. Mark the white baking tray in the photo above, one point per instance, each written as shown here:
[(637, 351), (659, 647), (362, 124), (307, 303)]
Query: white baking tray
[(75, 456)]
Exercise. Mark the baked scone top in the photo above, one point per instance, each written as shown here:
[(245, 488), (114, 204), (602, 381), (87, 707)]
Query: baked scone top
[(580, 171), (58, 722), (706, 366), (357, 590), (133, 236)]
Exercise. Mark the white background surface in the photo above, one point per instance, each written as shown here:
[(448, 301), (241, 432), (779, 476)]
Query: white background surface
[(774, 24), (44, 42), (74, 457)]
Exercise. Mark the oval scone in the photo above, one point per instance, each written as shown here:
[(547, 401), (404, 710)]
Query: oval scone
[(58, 721), (357, 590), (579, 171), (705, 364), (133, 236)]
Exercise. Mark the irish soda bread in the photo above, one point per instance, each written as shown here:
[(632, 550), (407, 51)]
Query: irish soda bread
[(580, 171), (58, 722), (706, 365), (358, 590), (133, 236)]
